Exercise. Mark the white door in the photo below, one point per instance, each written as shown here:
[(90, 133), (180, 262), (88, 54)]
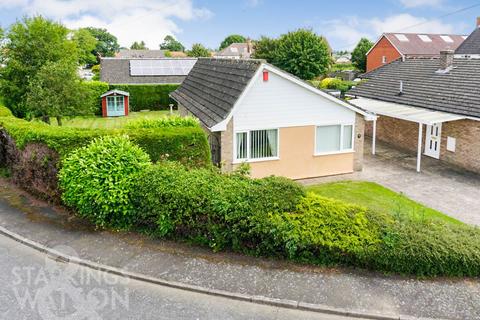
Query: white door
[(432, 140)]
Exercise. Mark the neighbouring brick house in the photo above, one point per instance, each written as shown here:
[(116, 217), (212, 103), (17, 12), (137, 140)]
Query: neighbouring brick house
[(257, 114), (430, 106), (393, 46)]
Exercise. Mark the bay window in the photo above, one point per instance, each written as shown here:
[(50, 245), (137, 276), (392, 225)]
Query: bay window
[(334, 138), (256, 144)]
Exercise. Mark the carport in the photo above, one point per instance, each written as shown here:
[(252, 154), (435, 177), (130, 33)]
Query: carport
[(430, 118)]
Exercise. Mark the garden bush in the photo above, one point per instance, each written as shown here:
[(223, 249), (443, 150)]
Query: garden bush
[(166, 122), (96, 89), (336, 84), (31, 150), (5, 112), (205, 206), (97, 180), (148, 96)]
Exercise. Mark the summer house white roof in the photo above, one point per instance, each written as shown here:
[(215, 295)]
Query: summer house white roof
[(404, 112)]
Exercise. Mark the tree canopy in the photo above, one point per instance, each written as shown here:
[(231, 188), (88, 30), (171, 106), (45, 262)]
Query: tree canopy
[(86, 44), (31, 44), (303, 53), (198, 50), (139, 46), (359, 54), (56, 91), (171, 44), (234, 38), (107, 44)]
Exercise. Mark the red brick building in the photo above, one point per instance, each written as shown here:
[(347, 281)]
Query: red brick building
[(392, 46)]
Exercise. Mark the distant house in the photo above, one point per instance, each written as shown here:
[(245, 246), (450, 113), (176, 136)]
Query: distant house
[(115, 103), (257, 114), (140, 54), (343, 58), (393, 46), (236, 51), (145, 71), (430, 106)]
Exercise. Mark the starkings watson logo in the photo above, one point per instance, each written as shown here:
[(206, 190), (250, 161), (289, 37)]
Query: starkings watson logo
[(64, 291)]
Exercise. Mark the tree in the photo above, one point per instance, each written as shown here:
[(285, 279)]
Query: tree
[(198, 50), (138, 46), (86, 44), (265, 48), (302, 53), (107, 44), (56, 91), (171, 44), (359, 54), (234, 38), (31, 44)]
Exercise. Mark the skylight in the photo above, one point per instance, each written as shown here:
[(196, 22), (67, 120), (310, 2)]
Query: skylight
[(401, 37), (234, 49), (425, 38), (464, 37), (446, 39)]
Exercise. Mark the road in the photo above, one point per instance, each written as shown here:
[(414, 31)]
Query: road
[(34, 286)]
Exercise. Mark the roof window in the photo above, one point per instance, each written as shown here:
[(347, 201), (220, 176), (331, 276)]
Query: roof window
[(234, 49), (401, 37), (446, 39), (464, 37), (424, 38)]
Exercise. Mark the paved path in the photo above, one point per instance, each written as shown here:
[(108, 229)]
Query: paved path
[(439, 186), (97, 295), (348, 289)]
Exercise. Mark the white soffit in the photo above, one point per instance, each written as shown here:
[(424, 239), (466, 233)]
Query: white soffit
[(404, 112)]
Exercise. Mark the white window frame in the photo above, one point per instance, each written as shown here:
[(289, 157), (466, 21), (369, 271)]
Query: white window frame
[(116, 104), (248, 159), (342, 150), (384, 59)]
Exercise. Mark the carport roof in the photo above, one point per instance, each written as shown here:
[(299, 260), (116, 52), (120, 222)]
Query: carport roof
[(404, 112)]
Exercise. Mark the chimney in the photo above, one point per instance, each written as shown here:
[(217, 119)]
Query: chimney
[(478, 22), (446, 59), (249, 45)]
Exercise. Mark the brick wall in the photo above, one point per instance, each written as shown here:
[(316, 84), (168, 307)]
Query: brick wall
[(404, 135), (383, 48), (226, 141)]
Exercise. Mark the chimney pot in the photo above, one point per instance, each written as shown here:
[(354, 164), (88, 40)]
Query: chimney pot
[(446, 59), (478, 22)]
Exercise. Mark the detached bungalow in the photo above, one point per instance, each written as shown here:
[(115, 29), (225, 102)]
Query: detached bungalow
[(280, 125), (429, 106)]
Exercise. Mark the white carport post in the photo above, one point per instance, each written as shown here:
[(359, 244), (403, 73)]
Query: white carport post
[(419, 150), (374, 136)]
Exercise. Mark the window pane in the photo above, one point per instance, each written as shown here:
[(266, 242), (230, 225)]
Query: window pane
[(347, 137), (263, 143), (241, 145), (111, 103), (328, 139)]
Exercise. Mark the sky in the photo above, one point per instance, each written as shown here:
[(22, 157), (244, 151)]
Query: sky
[(210, 21)]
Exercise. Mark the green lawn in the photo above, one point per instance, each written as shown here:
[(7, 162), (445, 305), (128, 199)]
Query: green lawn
[(112, 122), (377, 198)]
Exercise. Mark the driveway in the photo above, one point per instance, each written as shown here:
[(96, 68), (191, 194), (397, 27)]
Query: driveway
[(439, 186)]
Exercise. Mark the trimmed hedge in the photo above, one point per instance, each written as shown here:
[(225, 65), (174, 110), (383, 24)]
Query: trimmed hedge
[(5, 112), (148, 96), (166, 122), (207, 207), (273, 216), (35, 148), (96, 88)]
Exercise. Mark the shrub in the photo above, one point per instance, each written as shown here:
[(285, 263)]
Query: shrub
[(5, 112), (336, 84), (147, 96), (325, 231), (97, 180), (205, 206), (429, 248), (31, 150), (167, 122)]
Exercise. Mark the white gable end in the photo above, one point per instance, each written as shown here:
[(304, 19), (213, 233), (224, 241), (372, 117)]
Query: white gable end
[(278, 103)]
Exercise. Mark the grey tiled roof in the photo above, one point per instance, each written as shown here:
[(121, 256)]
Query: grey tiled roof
[(456, 91), (213, 86), (117, 71), (146, 54), (471, 45)]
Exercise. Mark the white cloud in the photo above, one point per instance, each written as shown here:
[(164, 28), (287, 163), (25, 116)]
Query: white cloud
[(421, 3), (345, 33), (147, 20)]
